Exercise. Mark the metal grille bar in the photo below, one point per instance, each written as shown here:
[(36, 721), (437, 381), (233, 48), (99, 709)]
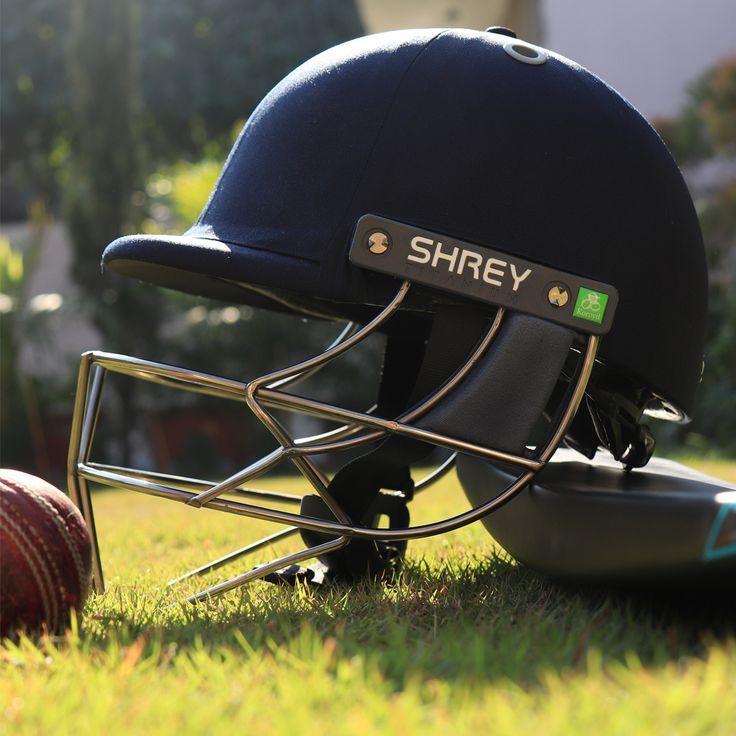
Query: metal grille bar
[(266, 392)]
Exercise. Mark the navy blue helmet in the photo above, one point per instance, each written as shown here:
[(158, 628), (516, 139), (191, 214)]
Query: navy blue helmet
[(516, 229)]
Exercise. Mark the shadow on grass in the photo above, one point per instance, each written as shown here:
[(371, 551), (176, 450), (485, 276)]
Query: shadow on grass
[(479, 618)]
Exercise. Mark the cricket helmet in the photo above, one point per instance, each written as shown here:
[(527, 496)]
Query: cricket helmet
[(516, 229)]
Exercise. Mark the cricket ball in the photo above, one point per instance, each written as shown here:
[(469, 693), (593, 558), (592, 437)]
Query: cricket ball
[(45, 555)]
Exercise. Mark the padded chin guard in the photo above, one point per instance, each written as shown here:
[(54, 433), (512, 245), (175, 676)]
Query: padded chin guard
[(592, 522)]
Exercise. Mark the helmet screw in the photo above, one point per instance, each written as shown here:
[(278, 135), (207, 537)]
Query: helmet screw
[(378, 242), (558, 295)]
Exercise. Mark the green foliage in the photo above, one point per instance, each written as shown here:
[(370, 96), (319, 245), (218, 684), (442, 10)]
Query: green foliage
[(194, 67), (104, 165), (104, 168), (21, 439), (207, 63), (33, 105), (14, 433), (11, 268), (706, 126), (706, 129), (716, 414), (97, 94), (717, 100), (184, 188), (465, 642)]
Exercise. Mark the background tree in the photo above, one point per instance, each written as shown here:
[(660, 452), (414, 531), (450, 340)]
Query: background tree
[(33, 104), (703, 139), (207, 63), (98, 95), (197, 67), (101, 101), (22, 439)]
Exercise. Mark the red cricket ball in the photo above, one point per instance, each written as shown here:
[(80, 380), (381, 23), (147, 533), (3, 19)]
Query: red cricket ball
[(45, 555)]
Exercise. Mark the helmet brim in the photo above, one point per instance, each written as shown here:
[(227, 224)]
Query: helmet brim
[(210, 267)]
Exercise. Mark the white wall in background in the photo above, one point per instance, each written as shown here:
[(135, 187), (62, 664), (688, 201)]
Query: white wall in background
[(649, 50)]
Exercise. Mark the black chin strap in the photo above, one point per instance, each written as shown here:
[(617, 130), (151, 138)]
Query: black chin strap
[(413, 368)]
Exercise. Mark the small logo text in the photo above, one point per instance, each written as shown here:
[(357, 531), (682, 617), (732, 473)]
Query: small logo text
[(590, 305)]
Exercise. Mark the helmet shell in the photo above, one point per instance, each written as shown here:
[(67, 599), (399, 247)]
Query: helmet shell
[(450, 131)]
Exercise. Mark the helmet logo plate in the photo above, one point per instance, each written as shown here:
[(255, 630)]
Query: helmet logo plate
[(477, 272)]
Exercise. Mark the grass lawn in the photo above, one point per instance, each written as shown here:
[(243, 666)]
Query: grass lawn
[(465, 642)]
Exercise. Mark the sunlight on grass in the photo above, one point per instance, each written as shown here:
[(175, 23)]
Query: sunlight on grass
[(465, 640), (724, 469)]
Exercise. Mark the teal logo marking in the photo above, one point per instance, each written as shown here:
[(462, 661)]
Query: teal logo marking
[(721, 540)]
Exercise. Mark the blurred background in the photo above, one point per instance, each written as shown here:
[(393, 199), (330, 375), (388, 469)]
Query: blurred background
[(116, 117)]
